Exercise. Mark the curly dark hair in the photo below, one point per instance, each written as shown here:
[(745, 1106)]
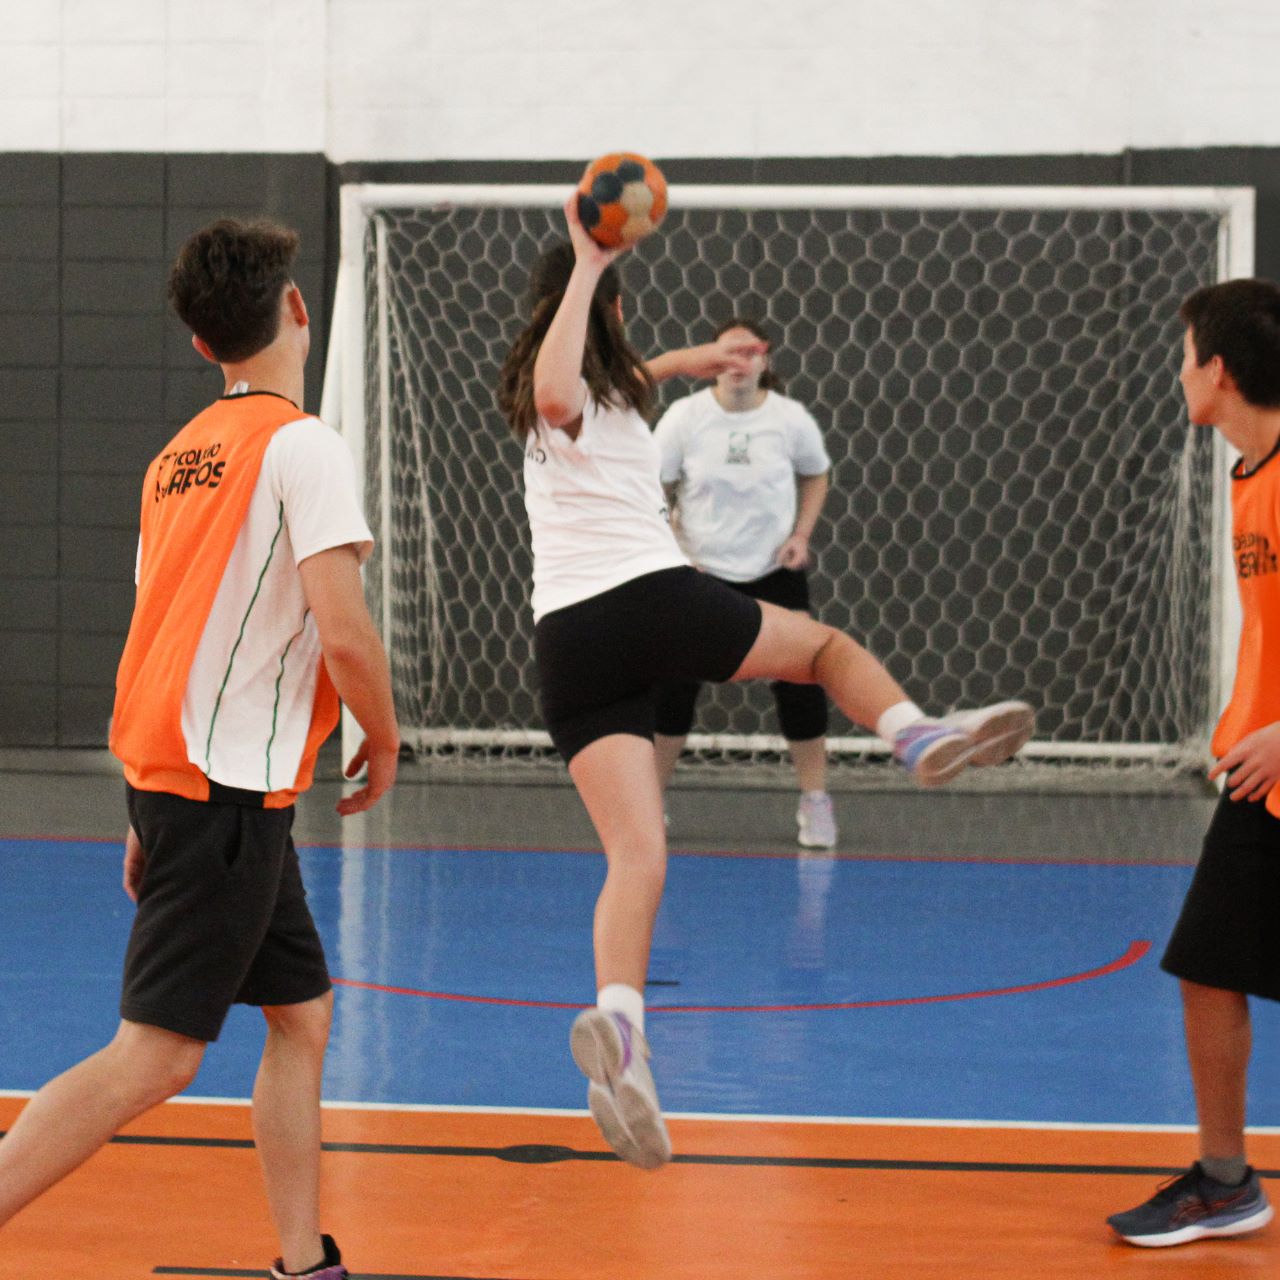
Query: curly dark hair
[(613, 369), (227, 281)]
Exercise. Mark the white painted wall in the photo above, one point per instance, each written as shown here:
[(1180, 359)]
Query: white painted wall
[(476, 79), (162, 75)]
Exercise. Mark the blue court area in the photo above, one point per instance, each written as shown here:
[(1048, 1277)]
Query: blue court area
[(1085, 1029)]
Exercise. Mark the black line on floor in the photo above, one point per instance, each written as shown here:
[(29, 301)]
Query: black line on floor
[(539, 1153), (257, 1272)]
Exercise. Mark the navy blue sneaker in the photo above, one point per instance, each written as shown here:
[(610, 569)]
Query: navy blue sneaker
[(1193, 1206)]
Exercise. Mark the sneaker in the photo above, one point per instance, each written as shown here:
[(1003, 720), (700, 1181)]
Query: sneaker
[(1000, 730), (613, 1055), (816, 818), (936, 750), (1193, 1206), (330, 1269)]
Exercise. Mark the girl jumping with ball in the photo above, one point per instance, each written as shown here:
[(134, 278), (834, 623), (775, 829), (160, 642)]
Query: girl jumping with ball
[(618, 610)]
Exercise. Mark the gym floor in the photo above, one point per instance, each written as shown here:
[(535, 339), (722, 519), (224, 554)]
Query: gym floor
[(946, 1048)]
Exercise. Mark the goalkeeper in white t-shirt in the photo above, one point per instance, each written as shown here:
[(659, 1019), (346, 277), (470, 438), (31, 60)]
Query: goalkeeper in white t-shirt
[(746, 472)]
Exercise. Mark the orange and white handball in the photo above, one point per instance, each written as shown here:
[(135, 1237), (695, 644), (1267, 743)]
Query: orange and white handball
[(622, 197)]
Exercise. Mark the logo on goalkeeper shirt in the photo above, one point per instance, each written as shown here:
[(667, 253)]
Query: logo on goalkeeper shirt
[(739, 446), (1254, 555)]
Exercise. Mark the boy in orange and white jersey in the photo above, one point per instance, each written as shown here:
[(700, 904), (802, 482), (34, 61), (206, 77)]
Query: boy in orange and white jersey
[(250, 624), (1226, 945)]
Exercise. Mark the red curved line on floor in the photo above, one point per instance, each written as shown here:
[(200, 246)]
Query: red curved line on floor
[(1136, 951)]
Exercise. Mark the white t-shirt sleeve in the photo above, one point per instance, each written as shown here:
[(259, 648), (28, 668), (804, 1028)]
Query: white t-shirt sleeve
[(670, 441), (314, 476), (579, 445), (809, 455)]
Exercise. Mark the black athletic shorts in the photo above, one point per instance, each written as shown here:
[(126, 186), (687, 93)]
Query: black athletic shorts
[(1227, 935), (600, 660), (802, 708), (222, 915)]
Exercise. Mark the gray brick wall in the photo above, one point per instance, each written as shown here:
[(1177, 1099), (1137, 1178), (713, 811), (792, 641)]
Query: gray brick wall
[(94, 377), (30, 215)]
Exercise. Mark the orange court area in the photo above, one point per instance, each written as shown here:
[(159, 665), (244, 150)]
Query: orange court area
[(444, 1195)]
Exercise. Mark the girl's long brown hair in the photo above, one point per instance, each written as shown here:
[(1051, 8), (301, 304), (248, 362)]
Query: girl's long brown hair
[(613, 369)]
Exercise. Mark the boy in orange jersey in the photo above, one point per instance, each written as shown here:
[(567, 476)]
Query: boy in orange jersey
[(250, 624), (1226, 945)]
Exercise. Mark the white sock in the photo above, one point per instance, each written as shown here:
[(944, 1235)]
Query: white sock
[(897, 718), (617, 997)]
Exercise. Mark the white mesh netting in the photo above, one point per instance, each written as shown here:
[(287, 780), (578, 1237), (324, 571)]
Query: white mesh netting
[(1018, 508)]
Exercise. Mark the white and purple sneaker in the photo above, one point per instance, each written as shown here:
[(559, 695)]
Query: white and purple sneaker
[(330, 1269), (935, 751), (613, 1056)]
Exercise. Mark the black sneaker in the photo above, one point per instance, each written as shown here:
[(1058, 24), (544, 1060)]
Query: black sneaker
[(1193, 1206), (330, 1269)]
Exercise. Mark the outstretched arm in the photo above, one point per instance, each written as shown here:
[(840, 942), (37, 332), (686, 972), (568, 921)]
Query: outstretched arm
[(730, 351)]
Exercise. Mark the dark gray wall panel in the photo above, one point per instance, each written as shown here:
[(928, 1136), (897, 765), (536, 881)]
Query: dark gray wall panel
[(87, 608), (116, 342), (113, 179), (89, 659), (92, 502), (92, 232), (112, 448), (29, 286), (29, 497), (28, 395), (84, 714), (104, 556), (29, 338), (32, 178), (28, 446), (33, 654), (30, 604), (28, 715), (26, 552)]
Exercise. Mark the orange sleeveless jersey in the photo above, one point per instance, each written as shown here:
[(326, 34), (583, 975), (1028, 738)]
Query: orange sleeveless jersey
[(194, 501), (1255, 529)]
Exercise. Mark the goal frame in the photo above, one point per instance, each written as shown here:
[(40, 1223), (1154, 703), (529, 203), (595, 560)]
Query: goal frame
[(344, 395)]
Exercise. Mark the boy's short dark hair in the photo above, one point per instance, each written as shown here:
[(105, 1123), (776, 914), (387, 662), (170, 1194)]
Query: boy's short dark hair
[(1239, 320), (227, 282)]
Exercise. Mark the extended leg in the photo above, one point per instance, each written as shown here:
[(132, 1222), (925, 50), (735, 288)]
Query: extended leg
[(82, 1109)]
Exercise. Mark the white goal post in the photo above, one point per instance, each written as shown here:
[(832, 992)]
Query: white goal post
[(1016, 494)]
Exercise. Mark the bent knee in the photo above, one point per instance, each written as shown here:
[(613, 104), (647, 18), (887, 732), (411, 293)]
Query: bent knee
[(308, 1020), (155, 1064)]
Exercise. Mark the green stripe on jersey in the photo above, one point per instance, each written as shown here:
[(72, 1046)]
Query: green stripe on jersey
[(275, 710), (226, 675)]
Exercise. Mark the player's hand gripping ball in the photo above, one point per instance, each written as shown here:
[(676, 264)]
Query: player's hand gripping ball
[(621, 198)]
